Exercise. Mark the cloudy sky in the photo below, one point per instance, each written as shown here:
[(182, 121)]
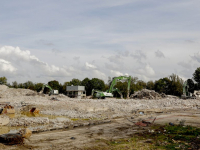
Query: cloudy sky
[(45, 40)]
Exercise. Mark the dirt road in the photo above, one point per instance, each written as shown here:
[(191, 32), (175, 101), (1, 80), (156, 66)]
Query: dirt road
[(82, 137), (78, 138)]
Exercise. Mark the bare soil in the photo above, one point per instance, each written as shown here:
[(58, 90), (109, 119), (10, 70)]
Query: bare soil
[(68, 123)]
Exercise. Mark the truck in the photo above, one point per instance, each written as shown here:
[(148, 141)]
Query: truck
[(109, 93)]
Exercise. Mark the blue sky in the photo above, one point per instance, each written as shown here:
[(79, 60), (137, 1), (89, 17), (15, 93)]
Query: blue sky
[(150, 39)]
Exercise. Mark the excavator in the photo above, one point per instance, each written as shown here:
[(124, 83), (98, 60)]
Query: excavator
[(188, 90), (109, 93), (54, 92)]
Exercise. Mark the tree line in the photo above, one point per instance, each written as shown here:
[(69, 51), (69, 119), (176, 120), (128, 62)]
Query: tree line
[(171, 85)]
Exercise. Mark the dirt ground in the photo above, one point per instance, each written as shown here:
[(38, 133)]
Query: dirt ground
[(68, 123), (84, 137)]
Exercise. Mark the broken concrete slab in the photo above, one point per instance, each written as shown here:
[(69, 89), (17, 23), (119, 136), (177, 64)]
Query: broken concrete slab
[(26, 133), (4, 120)]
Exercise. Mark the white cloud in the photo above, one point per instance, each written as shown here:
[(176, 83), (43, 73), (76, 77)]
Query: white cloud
[(99, 74), (90, 66), (116, 73), (12, 53), (147, 71), (6, 66), (24, 64), (114, 29)]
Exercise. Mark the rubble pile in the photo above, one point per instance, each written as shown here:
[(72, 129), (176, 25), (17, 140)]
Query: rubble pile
[(147, 94), (25, 121), (6, 92), (56, 111)]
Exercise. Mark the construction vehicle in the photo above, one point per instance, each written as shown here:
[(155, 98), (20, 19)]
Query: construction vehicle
[(51, 92), (187, 90), (109, 93)]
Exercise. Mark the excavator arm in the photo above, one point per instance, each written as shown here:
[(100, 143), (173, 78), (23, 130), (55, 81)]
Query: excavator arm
[(47, 86), (118, 91), (114, 82)]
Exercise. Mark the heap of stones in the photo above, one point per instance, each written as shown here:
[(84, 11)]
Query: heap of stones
[(147, 94)]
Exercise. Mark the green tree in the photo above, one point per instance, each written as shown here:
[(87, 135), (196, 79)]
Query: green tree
[(20, 85), (97, 84), (38, 87), (176, 85), (190, 82), (29, 85), (54, 85), (88, 86), (196, 75), (163, 85), (3, 80), (63, 88), (141, 84), (15, 84), (74, 82), (122, 87), (106, 87), (150, 85), (133, 86)]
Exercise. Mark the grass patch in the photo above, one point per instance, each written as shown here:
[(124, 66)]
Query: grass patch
[(121, 144), (174, 137), (156, 138)]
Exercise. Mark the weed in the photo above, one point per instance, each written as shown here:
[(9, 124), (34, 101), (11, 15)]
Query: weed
[(164, 137)]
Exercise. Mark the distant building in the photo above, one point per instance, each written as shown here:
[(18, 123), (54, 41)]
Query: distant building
[(76, 91)]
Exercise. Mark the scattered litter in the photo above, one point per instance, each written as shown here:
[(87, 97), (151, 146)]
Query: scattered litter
[(171, 124), (144, 123), (141, 113), (23, 103), (141, 124), (54, 99), (72, 138), (34, 110)]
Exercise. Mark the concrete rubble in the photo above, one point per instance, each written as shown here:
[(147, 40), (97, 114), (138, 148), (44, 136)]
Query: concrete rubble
[(147, 94), (4, 120), (67, 111)]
